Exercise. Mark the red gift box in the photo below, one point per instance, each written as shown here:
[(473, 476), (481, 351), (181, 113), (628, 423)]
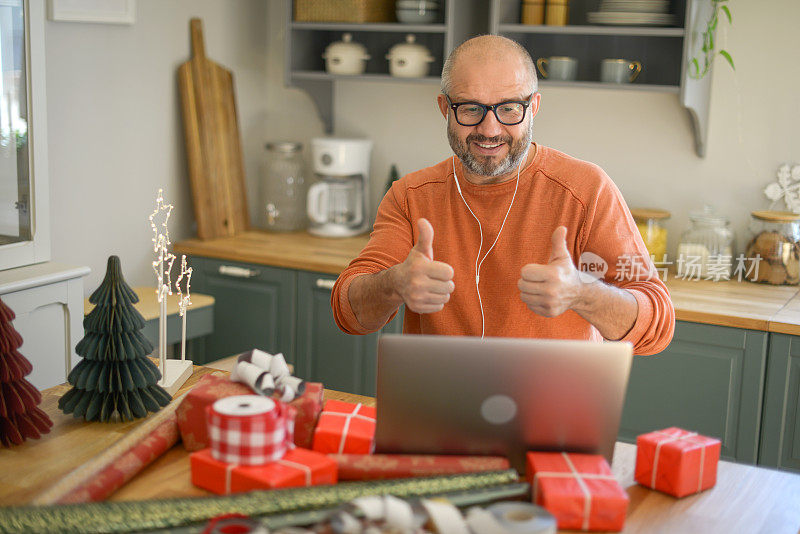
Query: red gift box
[(676, 461), (380, 466), (308, 406), (210, 388), (345, 428), (300, 467), (578, 489)]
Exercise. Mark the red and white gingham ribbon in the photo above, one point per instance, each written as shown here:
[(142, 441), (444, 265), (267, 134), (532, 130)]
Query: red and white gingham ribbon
[(579, 477), (349, 417), (674, 437), (252, 439)]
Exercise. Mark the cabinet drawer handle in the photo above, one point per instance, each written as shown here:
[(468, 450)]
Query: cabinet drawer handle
[(324, 283), (238, 272)]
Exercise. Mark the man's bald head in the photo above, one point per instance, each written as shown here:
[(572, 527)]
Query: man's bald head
[(485, 48)]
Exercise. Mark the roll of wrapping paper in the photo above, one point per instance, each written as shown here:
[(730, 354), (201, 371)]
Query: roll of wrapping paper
[(102, 476), (167, 513)]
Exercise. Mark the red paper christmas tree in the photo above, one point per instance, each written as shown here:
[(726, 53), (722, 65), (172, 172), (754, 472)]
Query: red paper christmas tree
[(20, 418)]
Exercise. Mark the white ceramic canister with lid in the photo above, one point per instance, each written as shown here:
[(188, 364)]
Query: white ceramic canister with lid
[(409, 60), (345, 56)]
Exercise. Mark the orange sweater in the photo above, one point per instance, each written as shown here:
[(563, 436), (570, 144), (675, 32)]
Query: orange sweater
[(554, 189)]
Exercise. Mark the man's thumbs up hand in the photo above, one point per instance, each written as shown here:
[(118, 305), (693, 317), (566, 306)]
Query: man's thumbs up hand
[(559, 251), (554, 288), (424, 244), (423, 284)]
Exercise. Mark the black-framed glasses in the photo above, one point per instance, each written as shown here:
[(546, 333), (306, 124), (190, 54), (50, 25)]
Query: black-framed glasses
[(472, 113)]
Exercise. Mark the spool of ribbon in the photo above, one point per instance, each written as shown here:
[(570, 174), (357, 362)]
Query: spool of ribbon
[(579, 477), (669, 438), (249, 429), (267, 373)]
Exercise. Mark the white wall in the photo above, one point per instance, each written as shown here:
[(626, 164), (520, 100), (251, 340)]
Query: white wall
[(115, 133), (114, 126)]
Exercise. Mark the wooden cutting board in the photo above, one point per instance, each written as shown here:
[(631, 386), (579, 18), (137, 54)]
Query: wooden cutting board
[(213, 144)]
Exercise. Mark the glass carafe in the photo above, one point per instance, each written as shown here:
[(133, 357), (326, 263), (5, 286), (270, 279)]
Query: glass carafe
[(284, 187), (336, 200)]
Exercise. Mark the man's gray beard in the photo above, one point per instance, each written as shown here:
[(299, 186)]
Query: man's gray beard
[(484, 166)]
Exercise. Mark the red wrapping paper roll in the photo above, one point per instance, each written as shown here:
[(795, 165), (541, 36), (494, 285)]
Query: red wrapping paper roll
[(382, 466)]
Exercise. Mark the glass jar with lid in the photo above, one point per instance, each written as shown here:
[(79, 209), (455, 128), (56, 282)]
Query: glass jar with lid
[(284, 186), (650, 222), (706, 248), (772, 255)]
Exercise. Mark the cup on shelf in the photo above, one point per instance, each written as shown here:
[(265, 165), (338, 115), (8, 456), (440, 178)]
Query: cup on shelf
[(532, 12), (557, 13), (619, 70), (560, 68)]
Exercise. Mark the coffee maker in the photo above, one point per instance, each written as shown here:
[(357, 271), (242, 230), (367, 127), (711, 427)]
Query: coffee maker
[(337, 202)]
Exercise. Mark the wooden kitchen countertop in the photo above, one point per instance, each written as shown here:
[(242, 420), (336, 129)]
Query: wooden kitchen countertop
[(727, 303)]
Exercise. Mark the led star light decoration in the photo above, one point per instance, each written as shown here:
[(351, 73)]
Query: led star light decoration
[(173, 372)]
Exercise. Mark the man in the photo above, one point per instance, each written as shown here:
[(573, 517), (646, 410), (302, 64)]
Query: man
[(485, 243)]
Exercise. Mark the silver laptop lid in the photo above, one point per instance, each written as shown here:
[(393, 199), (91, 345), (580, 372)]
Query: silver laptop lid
[(499, 396)]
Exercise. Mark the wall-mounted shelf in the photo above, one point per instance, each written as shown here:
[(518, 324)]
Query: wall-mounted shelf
[(663, 51), (305, 68)]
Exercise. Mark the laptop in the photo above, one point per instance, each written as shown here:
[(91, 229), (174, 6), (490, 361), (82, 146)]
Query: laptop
[(499, 396)]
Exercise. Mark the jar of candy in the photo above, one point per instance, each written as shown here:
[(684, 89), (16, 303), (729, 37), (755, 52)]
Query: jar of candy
[(772, 255), (284, 187), (706, 247), (650, 222)]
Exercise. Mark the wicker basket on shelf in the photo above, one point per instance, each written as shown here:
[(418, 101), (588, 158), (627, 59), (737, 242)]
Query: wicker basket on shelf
[(344, 11)]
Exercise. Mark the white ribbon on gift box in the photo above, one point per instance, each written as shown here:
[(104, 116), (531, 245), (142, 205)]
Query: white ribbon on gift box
[(349, 417), (265, 372), (674, 437), (587, 495)]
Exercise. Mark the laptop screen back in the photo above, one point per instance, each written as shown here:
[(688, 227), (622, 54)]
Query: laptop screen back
[(499, 396)]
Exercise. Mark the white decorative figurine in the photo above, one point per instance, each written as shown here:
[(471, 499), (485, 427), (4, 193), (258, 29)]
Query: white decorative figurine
[(173, 372), (787, 187)]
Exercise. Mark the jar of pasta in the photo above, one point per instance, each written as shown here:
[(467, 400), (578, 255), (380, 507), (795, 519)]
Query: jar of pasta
[(650, 223), (773, 251), (706, 247)]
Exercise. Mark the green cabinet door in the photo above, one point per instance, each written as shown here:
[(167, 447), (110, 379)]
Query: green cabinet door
[(326, 354), (254, 307), (708, 380), (780, 434)]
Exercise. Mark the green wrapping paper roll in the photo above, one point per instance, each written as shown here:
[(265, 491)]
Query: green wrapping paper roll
[(166, 513), (477, 496)]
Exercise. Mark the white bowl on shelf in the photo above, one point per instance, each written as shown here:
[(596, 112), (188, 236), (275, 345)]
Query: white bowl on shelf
[(417, 11)]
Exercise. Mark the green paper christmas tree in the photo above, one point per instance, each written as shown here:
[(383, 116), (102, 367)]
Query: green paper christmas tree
[(115, 375), (20, 418)]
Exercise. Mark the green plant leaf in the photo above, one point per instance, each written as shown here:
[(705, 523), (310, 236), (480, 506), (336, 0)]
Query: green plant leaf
[(696, 66), (711, 41), (726, 55), (728, 13)]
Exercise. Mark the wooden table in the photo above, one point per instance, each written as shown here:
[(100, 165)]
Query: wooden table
[(745, 499)]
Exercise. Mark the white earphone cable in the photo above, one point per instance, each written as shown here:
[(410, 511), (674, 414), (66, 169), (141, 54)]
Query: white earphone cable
[(478, 263)]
